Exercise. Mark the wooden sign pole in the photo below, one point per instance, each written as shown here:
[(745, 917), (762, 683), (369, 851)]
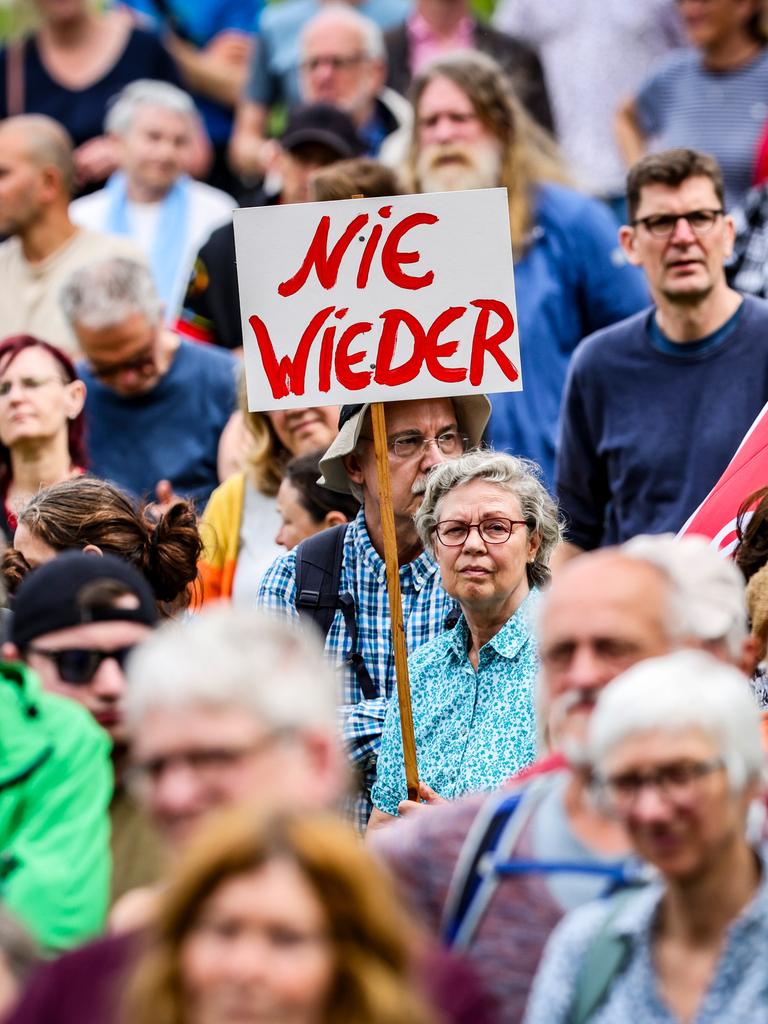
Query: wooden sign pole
[(395, 602)]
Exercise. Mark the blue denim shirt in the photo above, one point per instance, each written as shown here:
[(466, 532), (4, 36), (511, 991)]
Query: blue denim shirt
[(738, 993)]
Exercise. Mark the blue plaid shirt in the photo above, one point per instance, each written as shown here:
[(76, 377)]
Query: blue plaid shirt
[(363, 575)]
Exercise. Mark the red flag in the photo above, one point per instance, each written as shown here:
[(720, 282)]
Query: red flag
[(746, 472)]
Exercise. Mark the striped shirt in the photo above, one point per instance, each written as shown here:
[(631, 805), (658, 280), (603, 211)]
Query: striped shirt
[(718, 112), (363, 575)]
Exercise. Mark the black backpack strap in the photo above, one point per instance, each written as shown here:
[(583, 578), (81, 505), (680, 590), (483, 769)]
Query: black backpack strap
[(318, 576), (318, 580)]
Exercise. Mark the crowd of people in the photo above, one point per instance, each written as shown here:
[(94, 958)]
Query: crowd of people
[(206, 811)]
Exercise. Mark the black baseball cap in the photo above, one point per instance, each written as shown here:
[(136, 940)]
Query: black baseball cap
[(48, 598), (324, 124)]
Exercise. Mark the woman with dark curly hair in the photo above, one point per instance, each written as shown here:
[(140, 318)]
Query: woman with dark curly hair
[(41, 422), (96, 516)]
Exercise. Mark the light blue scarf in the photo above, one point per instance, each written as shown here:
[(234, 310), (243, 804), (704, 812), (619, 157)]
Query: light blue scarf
[(171, 229)]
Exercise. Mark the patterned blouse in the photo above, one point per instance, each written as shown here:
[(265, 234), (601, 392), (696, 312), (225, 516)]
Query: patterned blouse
[(738, 993), (474, 729)]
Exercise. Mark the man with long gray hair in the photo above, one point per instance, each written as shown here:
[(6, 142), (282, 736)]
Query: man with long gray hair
[(470, 131), (157, 405), (151, 198)]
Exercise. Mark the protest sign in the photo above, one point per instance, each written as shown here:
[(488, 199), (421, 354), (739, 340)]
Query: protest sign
[(377, 299), (746, 473)]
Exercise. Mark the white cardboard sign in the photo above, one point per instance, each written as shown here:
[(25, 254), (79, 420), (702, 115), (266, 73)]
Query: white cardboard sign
[(367, 300)]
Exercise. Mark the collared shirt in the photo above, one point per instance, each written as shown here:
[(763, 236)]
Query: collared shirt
[(363, 575), (474, 728), (738, 991), (424, 44)]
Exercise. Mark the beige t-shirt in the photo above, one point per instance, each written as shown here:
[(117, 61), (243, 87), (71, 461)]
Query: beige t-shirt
[(29, 292)]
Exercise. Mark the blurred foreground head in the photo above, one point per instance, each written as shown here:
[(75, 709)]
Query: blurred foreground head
[(232, 706), (283, 918)]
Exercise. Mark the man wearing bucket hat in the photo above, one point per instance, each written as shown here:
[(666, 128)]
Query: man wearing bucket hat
[(359, 636)]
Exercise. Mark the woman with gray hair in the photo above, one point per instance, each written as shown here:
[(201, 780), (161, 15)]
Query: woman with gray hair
[(492, 527), (677, 759)]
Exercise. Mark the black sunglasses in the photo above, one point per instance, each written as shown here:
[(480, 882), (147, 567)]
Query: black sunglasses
[(78, 665)]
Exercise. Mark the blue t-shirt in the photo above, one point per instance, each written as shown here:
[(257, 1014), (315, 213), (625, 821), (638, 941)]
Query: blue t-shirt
[(717, 112), (649, 426), (572, 280), (172, 432)]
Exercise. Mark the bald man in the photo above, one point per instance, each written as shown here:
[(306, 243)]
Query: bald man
[(43, 247)]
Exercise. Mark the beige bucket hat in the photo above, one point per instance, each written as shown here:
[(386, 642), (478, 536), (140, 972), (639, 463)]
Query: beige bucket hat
[(472, 415)]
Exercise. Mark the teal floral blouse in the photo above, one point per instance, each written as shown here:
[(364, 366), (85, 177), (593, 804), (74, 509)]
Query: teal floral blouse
[(473, 729)]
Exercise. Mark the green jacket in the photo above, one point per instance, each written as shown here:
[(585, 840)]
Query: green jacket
[(55, 788)]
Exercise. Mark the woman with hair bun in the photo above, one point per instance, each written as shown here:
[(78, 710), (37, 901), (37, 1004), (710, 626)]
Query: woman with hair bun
[(41, 422), (96, 516)]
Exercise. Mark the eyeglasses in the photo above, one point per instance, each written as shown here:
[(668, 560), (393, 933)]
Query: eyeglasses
[(676, 782), (408, 446), (454, 117), (78, 665), (27, 384), (335, 62), (143, 364), (453, 532), (662, 225), (207, 763)]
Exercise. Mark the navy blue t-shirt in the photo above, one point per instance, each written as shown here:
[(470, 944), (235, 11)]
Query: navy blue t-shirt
[(82, 111), (172, 432), (649, 426)]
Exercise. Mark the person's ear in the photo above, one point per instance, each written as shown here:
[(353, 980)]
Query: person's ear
[(628, 243), (74, 399), (751, 652), (334, 518), (379, 73), (534, 543), (10, 652), (353, 468), (92, 549), (729, 230)]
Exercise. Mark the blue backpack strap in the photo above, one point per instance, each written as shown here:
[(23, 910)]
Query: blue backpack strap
[(494, 833), (319, 560)]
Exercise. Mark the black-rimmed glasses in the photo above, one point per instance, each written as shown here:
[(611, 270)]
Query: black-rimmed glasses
[(662, 225), (78, 665)]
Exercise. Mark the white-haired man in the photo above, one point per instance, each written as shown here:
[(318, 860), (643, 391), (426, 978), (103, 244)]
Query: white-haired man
[(359, 634), (156, 405), (342, 62), (150, 198), (232, 707), (603, 613)]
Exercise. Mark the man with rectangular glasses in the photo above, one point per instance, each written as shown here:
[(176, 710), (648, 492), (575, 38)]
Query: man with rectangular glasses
[(656, 405)]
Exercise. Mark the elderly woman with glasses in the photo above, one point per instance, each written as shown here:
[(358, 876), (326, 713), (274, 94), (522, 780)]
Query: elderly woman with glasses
[(492, 526), (677, 759)]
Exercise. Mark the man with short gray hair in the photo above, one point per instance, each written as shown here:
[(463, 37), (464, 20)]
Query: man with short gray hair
[(150, 198), (233, 706), (342, 61), (156, 405), (43, 246)]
